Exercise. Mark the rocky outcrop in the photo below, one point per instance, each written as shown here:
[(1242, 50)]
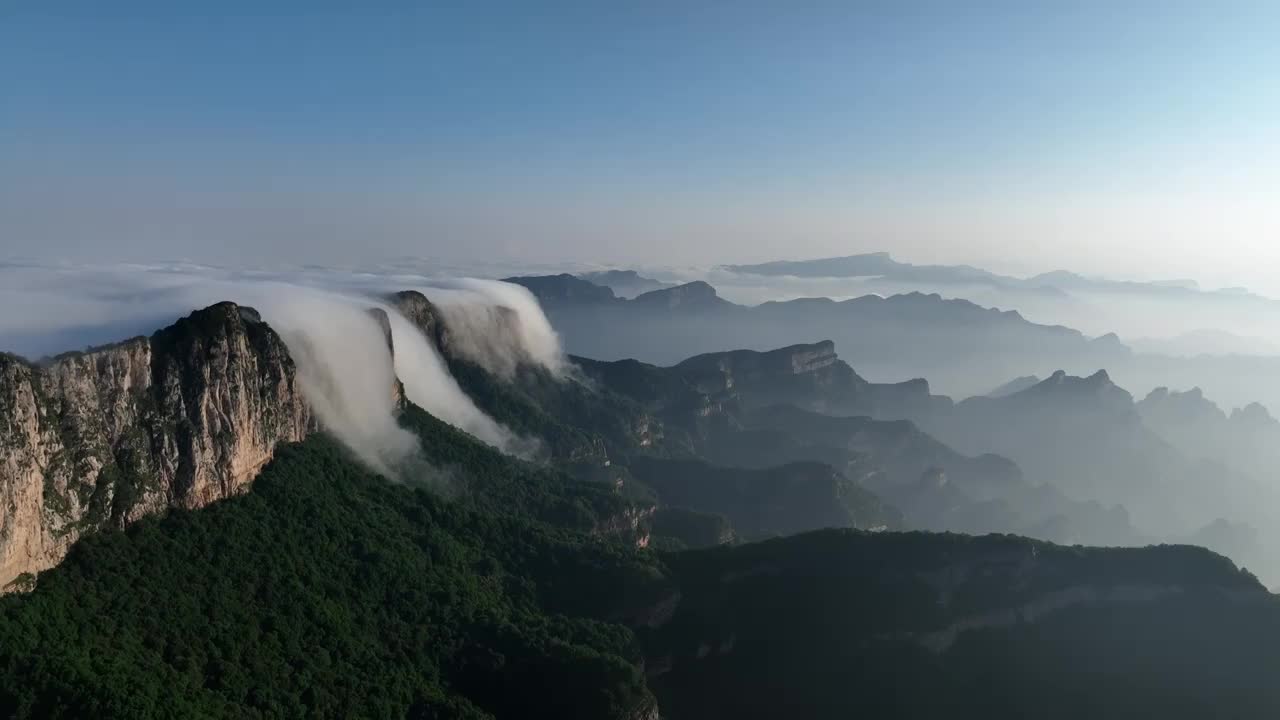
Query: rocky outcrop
[(420, 311), (478, 334), (697, 295), (630, 525), (383, 320), (104, 437)]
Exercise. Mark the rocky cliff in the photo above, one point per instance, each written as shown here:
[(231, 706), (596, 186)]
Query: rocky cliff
[(100, 438), (420, 311), (806, 365)]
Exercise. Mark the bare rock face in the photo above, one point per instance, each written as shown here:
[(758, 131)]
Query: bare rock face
[(102, 438), (420, 311), (384, 323)]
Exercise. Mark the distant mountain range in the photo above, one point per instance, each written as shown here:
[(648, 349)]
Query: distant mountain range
[(1199, 342), (962, 346), (881, 265)]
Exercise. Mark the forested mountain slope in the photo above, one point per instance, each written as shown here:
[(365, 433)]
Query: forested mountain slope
[(475, 584)]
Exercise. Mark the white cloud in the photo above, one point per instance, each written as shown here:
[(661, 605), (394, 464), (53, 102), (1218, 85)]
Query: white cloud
[(345, 368)]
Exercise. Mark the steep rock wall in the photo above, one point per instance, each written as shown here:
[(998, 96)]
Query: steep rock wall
[(104, 437)]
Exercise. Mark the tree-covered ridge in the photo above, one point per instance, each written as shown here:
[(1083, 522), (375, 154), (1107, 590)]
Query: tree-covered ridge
[(329, 592), (766, 503), (576, 421), (655, 457), (458, 465), (839, 624)]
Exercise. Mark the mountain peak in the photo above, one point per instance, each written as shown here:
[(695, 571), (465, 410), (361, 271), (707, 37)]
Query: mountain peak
[(562, 288), (1255, 414), (1096, 387), (1165, 407), (420, 311), (693, 295), (624, 283)]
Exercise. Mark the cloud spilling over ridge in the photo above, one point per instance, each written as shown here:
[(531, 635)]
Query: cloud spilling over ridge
[(345, 367), (428, 384), (348, 372), (498, 325)]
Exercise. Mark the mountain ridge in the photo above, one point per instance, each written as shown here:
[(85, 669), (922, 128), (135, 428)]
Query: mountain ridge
[(882, 265), (912, 334)]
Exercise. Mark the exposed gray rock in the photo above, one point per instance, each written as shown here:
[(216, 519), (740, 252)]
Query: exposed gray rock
[(104, 437)]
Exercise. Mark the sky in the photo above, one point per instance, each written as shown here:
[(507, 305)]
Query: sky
[(1135, 139)]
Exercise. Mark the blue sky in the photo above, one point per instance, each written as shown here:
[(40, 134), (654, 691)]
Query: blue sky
[(1133, 138)]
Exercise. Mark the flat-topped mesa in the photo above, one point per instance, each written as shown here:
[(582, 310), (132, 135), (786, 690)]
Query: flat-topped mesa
[(810, 358), (750, 366), (809, 375), (563, 288), (696, 295), (104, 437)]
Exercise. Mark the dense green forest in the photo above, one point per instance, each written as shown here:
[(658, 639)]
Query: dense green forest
[(329, 592), (766, 503), (839, 624)]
